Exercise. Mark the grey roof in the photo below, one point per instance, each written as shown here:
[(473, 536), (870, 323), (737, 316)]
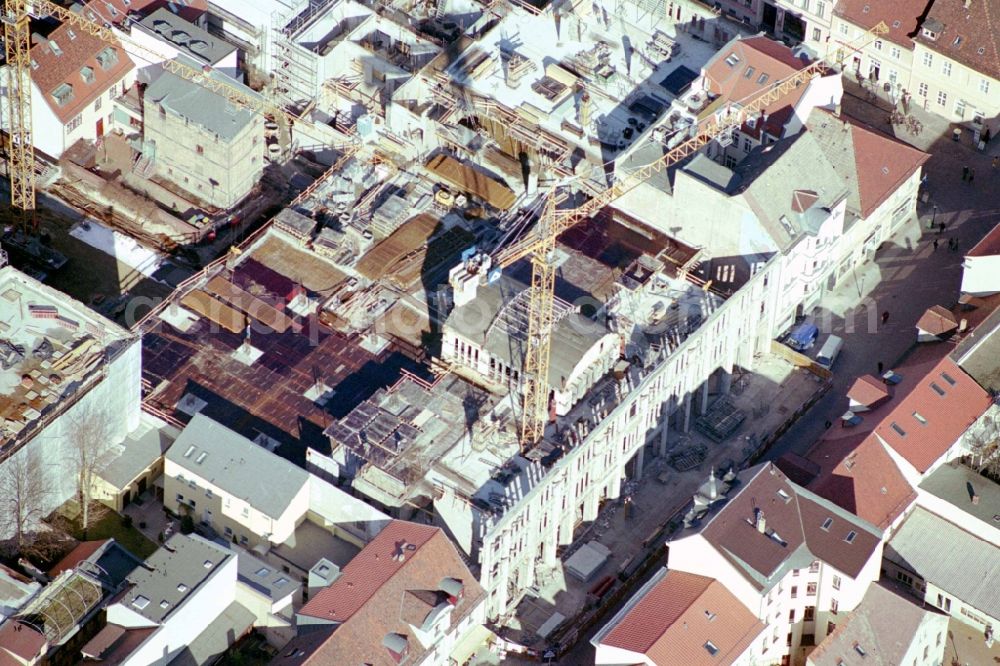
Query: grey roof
[(770, 176), (496, 320), (186, 36), (956, 485), (200, 105), (262, 577), (215, 639), (136, 456), (978, 352), (241, 468), (949, 557), (171, 575), (884, 625), (713, 173), (837, 144)]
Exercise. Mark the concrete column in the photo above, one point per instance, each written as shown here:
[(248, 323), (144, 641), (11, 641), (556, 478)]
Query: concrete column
[(703, 407), (615, 485), (640, 458), (687, 413), (551, 541), (725, 381), (661, 449), (590, 506)]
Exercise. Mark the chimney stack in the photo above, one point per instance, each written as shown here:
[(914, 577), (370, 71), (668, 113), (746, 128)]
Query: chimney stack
[(761, 522), (975, 498)]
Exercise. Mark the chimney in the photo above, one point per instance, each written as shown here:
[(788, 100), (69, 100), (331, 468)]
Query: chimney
[(975, 498), (967, 3), (713, 486), (761, 522)]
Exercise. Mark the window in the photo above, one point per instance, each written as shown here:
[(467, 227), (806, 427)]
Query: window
[(74, 123), (946, 68), (899, 430), (762, 79), (937, 643), (948, 378), (851, 536), (814, 567), (836, 582), (904, 578), (788, 639), (87, 74), (877, 44), (795, 592), (843, 29), (920, 418), (922, 90), (229, 532), (926, 649), (830, 627), (97, 104), (107, 58), (811, 590), (200, 150), (747, 145), (791, 615), (984, 86), (826, 524), (63, 94), (821, 9), (928, 59), (894, 52), (805, 5), (711, 647), (55, 47), (749, 73), (810, 614), (942, 98), (817, 34), (246, 511), (180, 498), (834, 608)]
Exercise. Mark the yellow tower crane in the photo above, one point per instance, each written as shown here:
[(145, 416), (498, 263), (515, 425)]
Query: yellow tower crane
[(540, 243), (20, 151)]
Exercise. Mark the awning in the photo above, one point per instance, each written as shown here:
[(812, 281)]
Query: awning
[(474, 639)]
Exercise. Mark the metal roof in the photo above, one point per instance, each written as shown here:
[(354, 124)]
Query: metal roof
[(954, 560)]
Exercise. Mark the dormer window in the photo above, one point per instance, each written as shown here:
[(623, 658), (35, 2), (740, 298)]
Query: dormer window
[(70, 34), (107, 58), (56, 49), (87, 74), (732, 60), (63, 94), (929, 34), (454, 588), (397, 646)]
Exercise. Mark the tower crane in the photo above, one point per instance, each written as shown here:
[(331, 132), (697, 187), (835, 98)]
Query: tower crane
[(539, 244), (17, 40)]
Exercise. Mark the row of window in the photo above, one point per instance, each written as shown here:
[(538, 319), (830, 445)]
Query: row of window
[(820, 7)]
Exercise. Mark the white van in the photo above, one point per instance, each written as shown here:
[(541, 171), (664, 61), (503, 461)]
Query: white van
[(828, 354)]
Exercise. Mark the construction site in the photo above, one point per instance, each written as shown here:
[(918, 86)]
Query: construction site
[(389, 236)]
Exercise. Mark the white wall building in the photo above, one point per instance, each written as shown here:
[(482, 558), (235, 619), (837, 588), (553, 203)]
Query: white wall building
[(91, 375), (794, 559)]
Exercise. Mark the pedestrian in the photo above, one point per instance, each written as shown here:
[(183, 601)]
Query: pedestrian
[(880, 367), (935, 244), (965, 173), (885, 316), (941, 227), (828, 424), (956, 244), (996, 161), (972, 175)]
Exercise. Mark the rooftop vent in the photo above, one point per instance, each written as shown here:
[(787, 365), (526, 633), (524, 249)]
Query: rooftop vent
[(140, 602), (712, 648)]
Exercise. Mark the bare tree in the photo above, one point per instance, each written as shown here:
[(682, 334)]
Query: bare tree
[(23, 494), (92, 450)]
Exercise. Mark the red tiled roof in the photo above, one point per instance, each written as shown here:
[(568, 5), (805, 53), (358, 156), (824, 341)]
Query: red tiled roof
[(790, 513), (21, 640), (758, 56), (937, 321), (82, 551), (868, 391), (672, 623), (977, 23), (77, 50), (115, 11), (901, 16), (366, 599), (988, 246), (867, 483), (947, 402), (883, 164)]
